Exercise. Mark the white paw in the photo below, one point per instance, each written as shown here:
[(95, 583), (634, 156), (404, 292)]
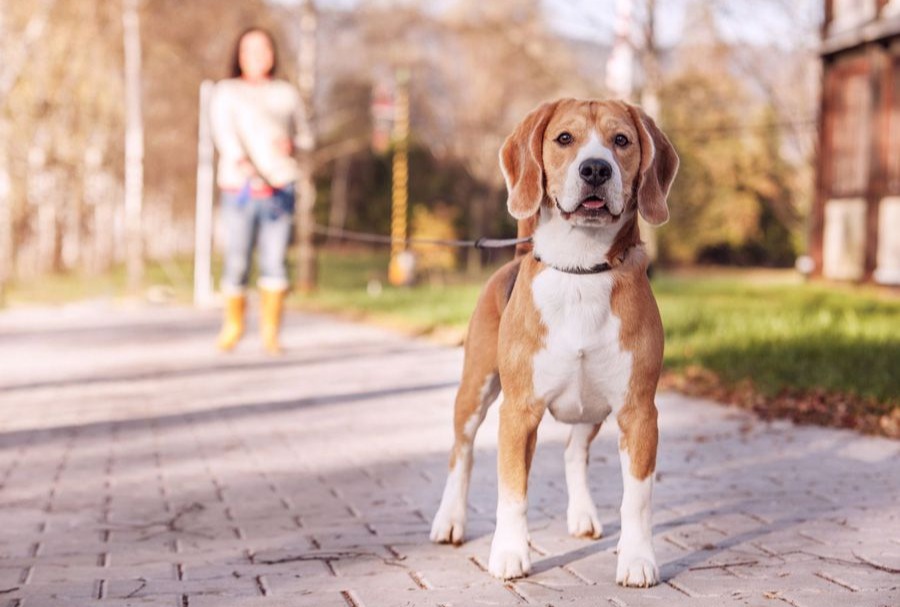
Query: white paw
[(584, 522), (448, 527), (508, 564), (637, 571)]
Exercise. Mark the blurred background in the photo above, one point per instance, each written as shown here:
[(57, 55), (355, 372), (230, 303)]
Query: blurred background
[(786, 115)]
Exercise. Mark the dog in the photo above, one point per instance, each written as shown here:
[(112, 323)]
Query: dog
[(570, 326)]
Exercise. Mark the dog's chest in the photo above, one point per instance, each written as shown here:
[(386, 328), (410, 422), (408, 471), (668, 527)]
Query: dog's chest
[(581, 372)]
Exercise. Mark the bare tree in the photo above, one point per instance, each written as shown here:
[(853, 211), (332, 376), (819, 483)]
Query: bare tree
[(306, 187), (16, 51)]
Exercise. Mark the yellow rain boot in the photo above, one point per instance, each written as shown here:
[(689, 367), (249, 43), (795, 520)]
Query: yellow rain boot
[(233, 324), (270, 325)]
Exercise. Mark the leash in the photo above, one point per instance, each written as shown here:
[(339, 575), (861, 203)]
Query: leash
[(480, 243)]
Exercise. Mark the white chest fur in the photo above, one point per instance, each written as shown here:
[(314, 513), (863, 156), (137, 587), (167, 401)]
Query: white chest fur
[(581, 373)]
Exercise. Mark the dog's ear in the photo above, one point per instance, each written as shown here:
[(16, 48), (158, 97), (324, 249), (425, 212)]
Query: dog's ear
[(521, 159), (659, 163)]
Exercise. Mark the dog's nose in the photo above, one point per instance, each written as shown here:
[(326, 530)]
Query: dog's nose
[(595, 171)]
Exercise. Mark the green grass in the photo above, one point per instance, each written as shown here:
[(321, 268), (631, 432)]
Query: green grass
[(343, 280), (176, 277), (784, 336), (766, 328)]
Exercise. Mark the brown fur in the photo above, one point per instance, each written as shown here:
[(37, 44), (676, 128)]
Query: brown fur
[(522, 334), (480, 361), (506, 330), (521, 159), (659, 163), (641, 333)]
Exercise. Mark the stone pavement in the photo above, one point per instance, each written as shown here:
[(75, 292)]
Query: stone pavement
[(139, 467)]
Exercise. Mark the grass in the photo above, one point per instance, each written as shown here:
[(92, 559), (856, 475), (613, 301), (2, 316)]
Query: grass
[(827, 354), (344, 284), (170, 281), (783, 335), (823, 353)]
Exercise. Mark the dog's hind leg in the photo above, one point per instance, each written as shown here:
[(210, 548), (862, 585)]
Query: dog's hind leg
[(472, 403), (479, 388), (581, 514)]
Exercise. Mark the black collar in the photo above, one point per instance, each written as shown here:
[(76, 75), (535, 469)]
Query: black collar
[(595, 269)]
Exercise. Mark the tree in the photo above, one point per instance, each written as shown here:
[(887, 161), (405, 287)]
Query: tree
[(16, 52)]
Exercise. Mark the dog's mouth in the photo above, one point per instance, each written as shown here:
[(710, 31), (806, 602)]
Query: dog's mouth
[(592, 206)]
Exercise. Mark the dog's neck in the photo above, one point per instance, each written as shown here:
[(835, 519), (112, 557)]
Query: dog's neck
[(560, 244)]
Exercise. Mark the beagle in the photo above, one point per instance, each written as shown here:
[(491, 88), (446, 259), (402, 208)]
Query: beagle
[(572, 326)]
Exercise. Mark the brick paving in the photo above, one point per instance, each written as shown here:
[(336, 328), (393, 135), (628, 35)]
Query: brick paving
[(139, 467)]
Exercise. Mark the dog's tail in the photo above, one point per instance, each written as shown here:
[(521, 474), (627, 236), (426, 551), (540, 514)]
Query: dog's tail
[(526, 229)]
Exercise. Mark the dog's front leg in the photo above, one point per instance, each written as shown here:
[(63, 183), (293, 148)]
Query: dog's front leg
[(581, 514), (518, 437), (637, 455)]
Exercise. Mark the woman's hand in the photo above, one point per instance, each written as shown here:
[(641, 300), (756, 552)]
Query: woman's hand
[(247, 168), (284, 146)]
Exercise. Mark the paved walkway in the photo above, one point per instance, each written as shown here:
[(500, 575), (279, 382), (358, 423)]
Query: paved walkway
[(138, 467)]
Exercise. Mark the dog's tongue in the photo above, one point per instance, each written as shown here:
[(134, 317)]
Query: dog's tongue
[(593, 204)]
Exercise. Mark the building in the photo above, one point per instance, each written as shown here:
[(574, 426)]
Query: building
[(855, 229)]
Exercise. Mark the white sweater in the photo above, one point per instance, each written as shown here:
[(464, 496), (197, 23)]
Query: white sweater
[(249, 119)]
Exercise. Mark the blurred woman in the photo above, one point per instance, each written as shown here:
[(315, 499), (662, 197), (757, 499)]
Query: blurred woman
[(256, 121)]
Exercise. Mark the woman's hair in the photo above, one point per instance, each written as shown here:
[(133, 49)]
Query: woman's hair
[(236, 56)]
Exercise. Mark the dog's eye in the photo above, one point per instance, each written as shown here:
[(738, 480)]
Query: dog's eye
[(621, 140), (564, 138)]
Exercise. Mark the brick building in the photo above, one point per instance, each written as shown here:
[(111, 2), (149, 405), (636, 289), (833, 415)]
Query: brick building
[(856, 213)]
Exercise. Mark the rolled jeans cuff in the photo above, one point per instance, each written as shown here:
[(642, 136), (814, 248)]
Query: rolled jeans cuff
[(230, 290), (273, 283)]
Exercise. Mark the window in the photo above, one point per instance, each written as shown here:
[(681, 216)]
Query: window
[(851, 108), (892, 145)]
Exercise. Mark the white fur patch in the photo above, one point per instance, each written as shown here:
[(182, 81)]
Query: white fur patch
[(581, 515), (449, 522), (562, 244), (570, 197), (637, 560), (487, 395), (509, 548), (582, 373)]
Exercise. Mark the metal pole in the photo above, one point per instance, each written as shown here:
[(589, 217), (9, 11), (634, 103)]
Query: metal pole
[(397, 274), (134, 146), (204, 207)]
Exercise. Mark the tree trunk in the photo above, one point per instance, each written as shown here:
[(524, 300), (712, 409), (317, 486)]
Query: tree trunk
[(340, 200), (477, 205), (134, 145), (7, 251), (306, 187), (650, 103), (10, 69)]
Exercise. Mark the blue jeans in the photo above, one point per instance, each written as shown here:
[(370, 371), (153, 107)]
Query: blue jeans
[(266, 222)]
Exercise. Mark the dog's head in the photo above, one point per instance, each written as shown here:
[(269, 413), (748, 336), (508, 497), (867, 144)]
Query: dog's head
[(590, 161)]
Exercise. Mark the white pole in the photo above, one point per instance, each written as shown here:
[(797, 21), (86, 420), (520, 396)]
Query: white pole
[(204, 210), (619, 67), (134, 146)]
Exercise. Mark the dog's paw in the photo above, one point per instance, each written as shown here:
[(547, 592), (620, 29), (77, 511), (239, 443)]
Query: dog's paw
[(584, 522), (448, 528), (509, 564), (637, 571)]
